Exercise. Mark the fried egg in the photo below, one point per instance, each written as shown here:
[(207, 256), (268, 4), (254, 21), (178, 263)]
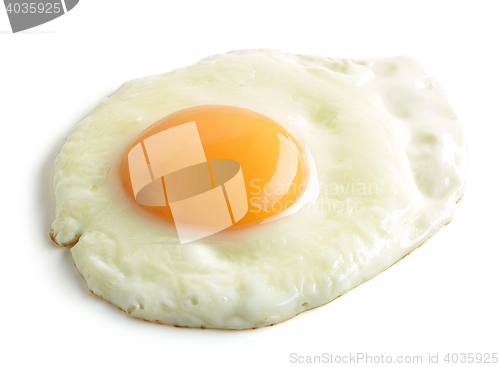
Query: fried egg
[(251, 186)]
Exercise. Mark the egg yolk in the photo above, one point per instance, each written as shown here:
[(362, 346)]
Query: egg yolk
[(181, 167)]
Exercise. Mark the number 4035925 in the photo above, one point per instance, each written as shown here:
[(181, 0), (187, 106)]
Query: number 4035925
[(32, 8), (471, 358)]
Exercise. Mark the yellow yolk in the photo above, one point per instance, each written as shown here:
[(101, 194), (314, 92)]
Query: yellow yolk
[(273, 165)]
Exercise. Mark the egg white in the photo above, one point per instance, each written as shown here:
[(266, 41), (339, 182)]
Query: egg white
[(382, 125)]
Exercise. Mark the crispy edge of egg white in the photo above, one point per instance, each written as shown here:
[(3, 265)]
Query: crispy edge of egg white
[(358, 71)]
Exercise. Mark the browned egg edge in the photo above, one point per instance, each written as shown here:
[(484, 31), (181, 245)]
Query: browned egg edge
[(51, 234)]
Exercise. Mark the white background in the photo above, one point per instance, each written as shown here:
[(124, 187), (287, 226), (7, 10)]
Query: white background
[(443, 298)]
